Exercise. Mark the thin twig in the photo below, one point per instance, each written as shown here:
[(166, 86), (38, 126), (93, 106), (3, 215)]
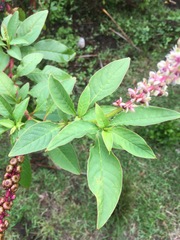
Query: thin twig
[(100, 63), (121, 30), (88, 56), (119, 34)]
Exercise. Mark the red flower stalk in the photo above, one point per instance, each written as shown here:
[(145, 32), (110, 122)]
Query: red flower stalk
[(10, 184)]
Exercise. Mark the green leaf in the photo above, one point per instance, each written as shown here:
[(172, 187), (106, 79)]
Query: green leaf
[(144, 116), (26, 174), (64, 78), (3, 129), (15, 52), (31, 27), (105, 81), (132, 142), (107, 137), (4, 25), (2, 43), (19, 110), (7, 86), (84, 102), (35, 138), (76, 129), (5, 108), (29, 63), (18, 41), (105, 180), (6, 123), (4, 60), (54, 50), (13, 25), (101, 119), (60, 96), (65, 157), (41, 89), (22, 14), (23, 91), (91, 115)]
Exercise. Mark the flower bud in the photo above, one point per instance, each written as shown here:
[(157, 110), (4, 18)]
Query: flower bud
[(18, 169), (9, 168), (13, 161), (1, 209), (7, 176), (7, 183), (20, 159), (6, 205), (14, 187), (2, 200), (13, 197), (15, 178), (6, 223)]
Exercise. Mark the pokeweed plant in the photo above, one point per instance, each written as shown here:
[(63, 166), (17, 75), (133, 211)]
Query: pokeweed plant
[(39, 114)]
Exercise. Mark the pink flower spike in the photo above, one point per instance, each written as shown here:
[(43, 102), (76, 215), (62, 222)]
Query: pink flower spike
[(119, 103), (132, 92)]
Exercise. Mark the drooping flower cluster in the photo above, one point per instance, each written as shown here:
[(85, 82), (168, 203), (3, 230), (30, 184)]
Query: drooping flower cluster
[(10, 184), (157, 83)]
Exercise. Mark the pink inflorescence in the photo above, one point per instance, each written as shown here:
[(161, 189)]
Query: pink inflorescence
[(10, 184), (157, 83)]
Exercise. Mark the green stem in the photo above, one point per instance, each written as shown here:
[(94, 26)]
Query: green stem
[(114, 112), (110, 115)]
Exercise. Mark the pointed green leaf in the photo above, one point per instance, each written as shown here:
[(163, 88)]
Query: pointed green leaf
[(54, 50), (35, 138), (60, 96), (5, 108), (26, 174), (144, 116), (18, 41), (4, 60), (101, 119), (105, 180), (23, 91), (19, 110), (65, 157), (107, 137), (6, 123), (7, 86), (105, 81), (15, 52), (31, 27), (2, 43), (63, 77), (132, 142), (13, 25), (76, 129), (29, 63), (4, 25), (3, 129), (91, 115), (84, 102), (41, 78)]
